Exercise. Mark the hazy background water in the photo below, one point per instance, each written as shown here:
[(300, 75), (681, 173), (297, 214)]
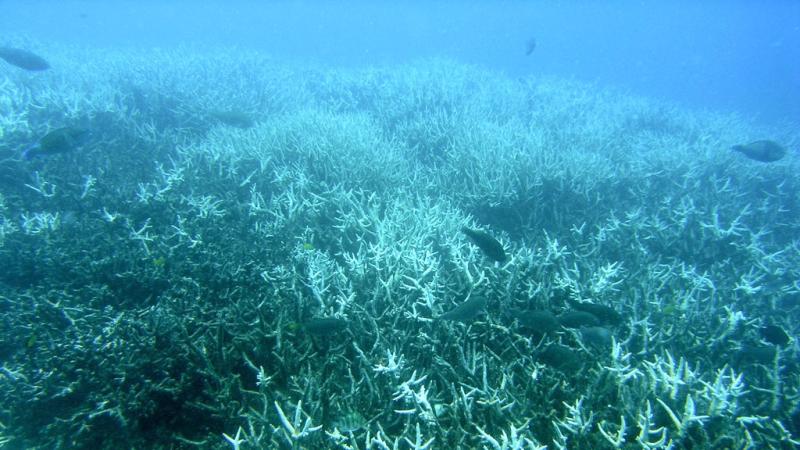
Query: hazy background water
[(727, 55)]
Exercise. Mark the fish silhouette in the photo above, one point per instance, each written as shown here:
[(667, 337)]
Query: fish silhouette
[(775, 335), (530, 46), (561, 357), (490, 246), (605, 314), (536, 322), (764, 151), (325, 326), (600, 337), (465, 311), (60, 140), (232, 118), (578, 319), (23, 59)]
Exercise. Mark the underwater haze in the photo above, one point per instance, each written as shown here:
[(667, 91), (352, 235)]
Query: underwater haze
[(399, 225), (738, 56)]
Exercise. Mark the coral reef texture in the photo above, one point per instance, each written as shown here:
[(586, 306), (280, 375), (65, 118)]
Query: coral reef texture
[(246, 254)]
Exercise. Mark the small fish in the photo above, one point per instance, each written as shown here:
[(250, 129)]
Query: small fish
[(31, 341), (60, 140), (577, 319), (561, 357), (756, 354), (596, 336), (490, 246), (530, 46), (670, 309), (23, 59), (538, 322), (325, 326), (605, 314), (349, 422), (775, 335), (233, 118), (465, 311), (764, 151)]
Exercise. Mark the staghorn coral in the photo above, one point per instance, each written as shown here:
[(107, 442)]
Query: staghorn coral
[(152, 293)]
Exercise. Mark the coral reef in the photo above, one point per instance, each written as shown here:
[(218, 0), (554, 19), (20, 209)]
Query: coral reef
[(182, 283)]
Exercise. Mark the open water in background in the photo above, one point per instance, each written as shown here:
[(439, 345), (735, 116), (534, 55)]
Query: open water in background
[(739, 56)]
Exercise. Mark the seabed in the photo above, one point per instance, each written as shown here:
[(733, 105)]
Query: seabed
[(250, 254)]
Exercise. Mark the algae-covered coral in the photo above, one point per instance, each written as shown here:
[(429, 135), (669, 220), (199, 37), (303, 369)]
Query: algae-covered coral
[(177, 284)]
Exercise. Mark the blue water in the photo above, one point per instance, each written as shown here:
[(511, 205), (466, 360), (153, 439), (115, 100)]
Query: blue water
[(227, 215), (741, 56)]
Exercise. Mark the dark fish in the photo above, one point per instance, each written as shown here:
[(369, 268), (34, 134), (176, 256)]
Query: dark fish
[(577, 319), (60, 140), (561, 357), (596, 336), (23, 59), (236, 119), (465, 311), (605, 314), (325, 326), (764, 151), (490, 246), (775, 335), (530, 46), (756, 354), (537, 321)]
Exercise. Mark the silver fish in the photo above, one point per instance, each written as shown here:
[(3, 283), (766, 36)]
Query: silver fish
[(465, 311)]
